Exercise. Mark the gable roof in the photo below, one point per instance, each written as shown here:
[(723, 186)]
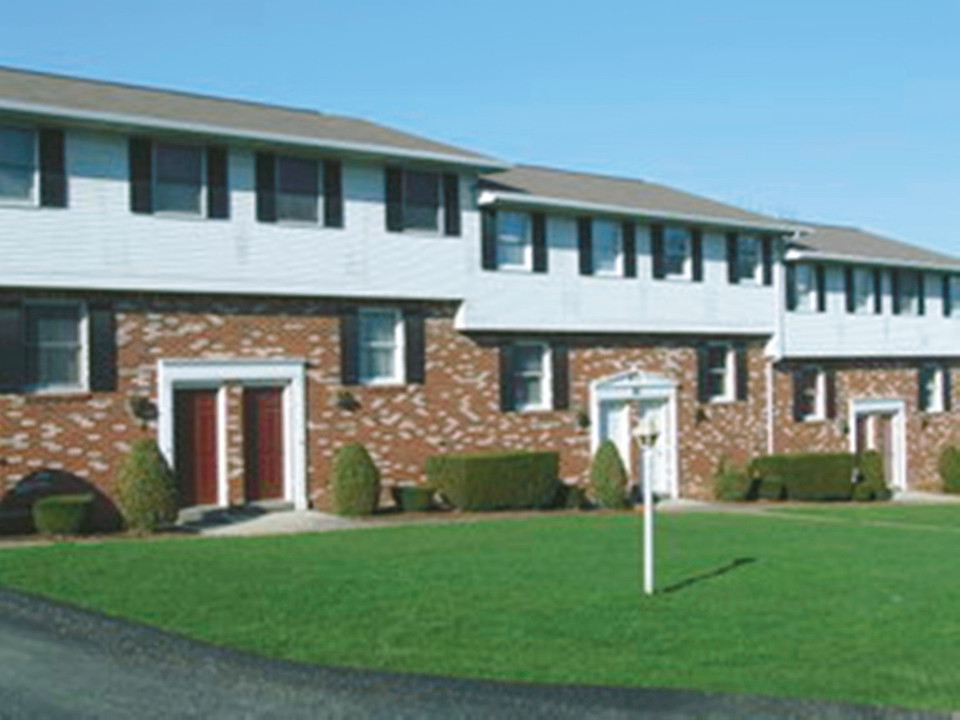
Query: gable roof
[(532, 185), (34, 93), (848, 244)]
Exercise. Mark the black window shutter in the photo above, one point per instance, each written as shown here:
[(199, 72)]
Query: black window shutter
[(766, 246), (414, 338), (629, 249), (696, 251), (947, 389), (656, 251), (703, 389), (831, 399), (923, 397), (488, 239), (394, 194), (349, 347), (791, 287), (821, 288), (332, 194), (743, 371), (877, 291), (103, 347), (947, 310), (539, 221), (506, 377), (797, 395), (12, 350), (218, 193), (895, 290), (733, 253), (53, 171), (266, 187), (585, 237), (850, 289), (451, 204), (921, 293), (560, 358), (141, 173)]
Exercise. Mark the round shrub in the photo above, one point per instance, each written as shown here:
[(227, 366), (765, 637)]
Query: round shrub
[(608, 477), (61, 514), (950, 470), (356, 481), (147, 489)]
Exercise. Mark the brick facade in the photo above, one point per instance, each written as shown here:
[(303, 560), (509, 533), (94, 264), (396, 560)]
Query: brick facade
[(456, 409)]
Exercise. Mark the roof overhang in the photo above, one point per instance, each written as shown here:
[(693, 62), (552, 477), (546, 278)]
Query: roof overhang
[(513, 199), (801, 255), (145, 122)]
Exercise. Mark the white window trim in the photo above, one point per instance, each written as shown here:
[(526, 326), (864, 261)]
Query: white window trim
[(83, 331), (936, 397), (527, 265), (202, 212), (34, 199), (617, 270), (820, 399), (757, 277), (687, 273), (294, 222), (403, 203), (546, 378), (399, 350), (729, 373)]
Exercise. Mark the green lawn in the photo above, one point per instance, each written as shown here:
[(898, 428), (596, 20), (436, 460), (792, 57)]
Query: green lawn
[(860, 604)]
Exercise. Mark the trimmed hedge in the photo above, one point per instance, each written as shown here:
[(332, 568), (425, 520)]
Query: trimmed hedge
[(873, 484), (733, 483), (820, 477), (356, 481), (510, 480), (61, 514), (608, 477), (949, 467), (147, 488)]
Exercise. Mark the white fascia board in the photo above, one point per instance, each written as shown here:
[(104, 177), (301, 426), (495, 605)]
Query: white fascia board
[(468, 326), (345, 146), (492, 197), (798, 255)]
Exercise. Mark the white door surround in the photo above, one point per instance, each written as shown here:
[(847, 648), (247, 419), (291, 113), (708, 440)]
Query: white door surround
[(289, 374), (897, 409), (623, 396)]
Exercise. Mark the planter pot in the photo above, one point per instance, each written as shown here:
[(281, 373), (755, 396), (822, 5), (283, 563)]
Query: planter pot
[(413, 498), (61, 514)]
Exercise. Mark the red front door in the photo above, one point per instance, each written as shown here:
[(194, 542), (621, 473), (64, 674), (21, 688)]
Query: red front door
[(195, 414), (263, 443)]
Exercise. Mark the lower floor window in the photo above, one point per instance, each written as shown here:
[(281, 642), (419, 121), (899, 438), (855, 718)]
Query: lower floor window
[(54, 345), (719, 374), (933, 389), (530, 376), (809, 394), (381, 346)]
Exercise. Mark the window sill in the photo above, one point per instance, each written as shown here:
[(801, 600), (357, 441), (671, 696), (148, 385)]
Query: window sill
[(173, 215), (515, 269), (385, 384), (20, 204), (55, 395)]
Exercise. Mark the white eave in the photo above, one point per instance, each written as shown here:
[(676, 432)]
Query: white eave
[(800, 255), (256, 136), (493, 197)]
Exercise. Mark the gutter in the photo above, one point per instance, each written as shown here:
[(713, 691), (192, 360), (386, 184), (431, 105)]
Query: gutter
[(492, 197), (142, 121), (796, 254)]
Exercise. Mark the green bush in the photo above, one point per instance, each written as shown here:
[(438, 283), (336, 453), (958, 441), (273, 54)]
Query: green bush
[(146, 488), (356, 481), (809, 476), (770, 488), (608, 477), (571, 497), (950, 469), (61, 514), (872, 484), (413, 498), (496, 480), (733, 483)]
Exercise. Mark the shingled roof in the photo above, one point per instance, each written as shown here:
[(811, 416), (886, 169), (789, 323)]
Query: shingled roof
[(839, 242), (35, 93)]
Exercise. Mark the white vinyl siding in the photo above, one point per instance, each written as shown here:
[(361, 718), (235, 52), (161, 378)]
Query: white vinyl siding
[(18, 165), (381, 347)]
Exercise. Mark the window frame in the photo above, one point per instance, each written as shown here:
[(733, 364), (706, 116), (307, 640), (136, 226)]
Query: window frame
[(34, 199), (618, 260), (729, 371), (83, 362), (953, 290), (527, 264), (806, 302), (438, 213), (819, 413), (687, 272), (318, 197), (910, 305), (864, 278), (756, 277), (399, 348), (546, 377), (154, 180), (935, 395)]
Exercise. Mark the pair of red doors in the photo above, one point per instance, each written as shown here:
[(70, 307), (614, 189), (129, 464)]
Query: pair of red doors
[(196, 432)]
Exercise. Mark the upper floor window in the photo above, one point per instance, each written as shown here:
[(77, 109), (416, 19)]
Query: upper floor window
[(514, 241), (934, 389), (607, 247), (951, 296), (381, 346), (288, 190), (864, 290), (677, 244), (18, 160), (806, 287), (298, 189), (809, 394), (749, 259), (178, 178), (55, 345), (908, 292), (415, 199)]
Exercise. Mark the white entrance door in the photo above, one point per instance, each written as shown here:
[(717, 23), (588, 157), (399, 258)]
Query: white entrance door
[(615, 424), (658, 462), (880, 425)]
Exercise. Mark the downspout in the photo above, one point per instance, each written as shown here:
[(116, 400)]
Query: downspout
[(776, 348)]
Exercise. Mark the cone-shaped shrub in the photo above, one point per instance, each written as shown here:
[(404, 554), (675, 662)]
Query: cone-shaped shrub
[(608, 477), (146, 488), (949, 467), (356, 481)]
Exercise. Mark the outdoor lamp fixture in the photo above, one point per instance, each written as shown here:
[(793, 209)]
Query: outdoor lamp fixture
[(646, 434)]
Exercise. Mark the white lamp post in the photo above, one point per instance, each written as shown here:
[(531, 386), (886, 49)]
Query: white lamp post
[(647, 433)]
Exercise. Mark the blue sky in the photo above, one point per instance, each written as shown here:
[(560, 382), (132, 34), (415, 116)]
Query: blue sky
[(845, 112)]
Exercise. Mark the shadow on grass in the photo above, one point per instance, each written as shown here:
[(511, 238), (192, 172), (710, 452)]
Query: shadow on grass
[(739, 562)]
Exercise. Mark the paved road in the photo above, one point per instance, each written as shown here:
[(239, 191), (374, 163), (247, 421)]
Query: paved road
[(59, 662)]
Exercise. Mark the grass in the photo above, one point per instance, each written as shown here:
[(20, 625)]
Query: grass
[(857, 604)]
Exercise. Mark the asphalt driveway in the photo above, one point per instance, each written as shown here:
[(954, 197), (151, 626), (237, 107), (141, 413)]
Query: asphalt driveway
[(61, 662)]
